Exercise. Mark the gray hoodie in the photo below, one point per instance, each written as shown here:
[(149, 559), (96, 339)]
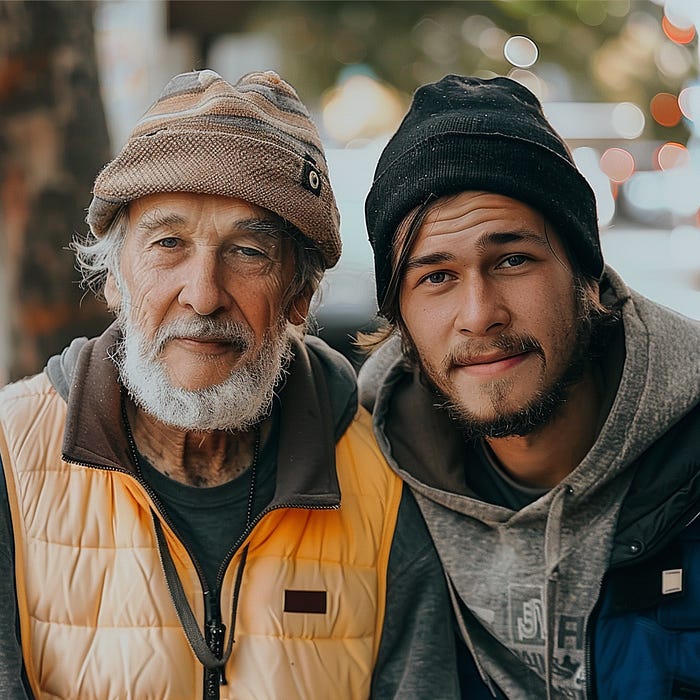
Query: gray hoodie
[(525, 582)]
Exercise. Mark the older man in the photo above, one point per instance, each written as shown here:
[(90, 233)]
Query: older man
[(196, 506), (545, 415)]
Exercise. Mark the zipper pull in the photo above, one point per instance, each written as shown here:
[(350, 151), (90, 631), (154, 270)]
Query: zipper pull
[(214, 635)]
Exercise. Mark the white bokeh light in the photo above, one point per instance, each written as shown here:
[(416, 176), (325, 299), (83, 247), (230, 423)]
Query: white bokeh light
[(628, 120), (587, 160), (521, 51), (682, 13), (689, 102)]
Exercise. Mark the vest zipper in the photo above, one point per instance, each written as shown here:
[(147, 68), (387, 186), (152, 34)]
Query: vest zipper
[(214, 635), (214, 628)]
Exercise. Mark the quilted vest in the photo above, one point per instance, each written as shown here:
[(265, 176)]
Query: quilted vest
[(96, 618)]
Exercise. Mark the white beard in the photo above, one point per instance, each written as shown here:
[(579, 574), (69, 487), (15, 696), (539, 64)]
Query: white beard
[(236, 404)]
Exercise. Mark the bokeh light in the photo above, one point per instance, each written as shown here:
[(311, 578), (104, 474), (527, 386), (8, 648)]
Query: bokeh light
[(435, 41), (664, 190), (474, 26), (680, 12), (588, 162), (628, 120), (689, 102), (673, 60), (360, 107), (530, 81), (521, 51), (591, 13), (681, 35), (621, 8), (665, 109), (617, 164), (491, 42), (671, 155)]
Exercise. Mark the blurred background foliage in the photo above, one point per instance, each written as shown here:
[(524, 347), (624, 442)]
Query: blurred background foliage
[(590, 50)]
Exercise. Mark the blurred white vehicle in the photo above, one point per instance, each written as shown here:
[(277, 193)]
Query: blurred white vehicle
[(346, 301)]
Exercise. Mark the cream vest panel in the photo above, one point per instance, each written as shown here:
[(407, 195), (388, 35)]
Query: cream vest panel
[(96, 618)]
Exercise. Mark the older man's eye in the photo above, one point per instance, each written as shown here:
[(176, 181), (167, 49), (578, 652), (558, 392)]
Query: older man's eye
[(244, 253), (250, 252), (169, 242), (250, 258)]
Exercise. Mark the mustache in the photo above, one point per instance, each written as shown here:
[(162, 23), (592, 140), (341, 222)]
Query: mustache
[(238, 334), (469, 351)]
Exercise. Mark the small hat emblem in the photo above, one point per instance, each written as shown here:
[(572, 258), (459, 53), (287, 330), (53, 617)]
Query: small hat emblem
[(311, 178)]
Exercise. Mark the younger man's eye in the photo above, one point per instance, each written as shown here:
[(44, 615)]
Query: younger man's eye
[(436, 277), (513, 261)]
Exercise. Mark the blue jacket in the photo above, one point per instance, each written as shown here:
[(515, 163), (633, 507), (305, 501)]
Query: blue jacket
[(646, 637)]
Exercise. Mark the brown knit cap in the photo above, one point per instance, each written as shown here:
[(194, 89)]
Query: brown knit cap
[(253, 140)]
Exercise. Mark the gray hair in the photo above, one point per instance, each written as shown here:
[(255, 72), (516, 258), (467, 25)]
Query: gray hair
[(97, 257)]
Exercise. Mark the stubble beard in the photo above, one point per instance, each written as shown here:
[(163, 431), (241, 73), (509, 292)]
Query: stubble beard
[(547, 400), (238, 403)]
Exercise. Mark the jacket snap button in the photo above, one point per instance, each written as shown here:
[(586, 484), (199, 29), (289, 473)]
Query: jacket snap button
[(635, 548)]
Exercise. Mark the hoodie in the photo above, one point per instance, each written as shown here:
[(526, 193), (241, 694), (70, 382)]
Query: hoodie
[(526, 583)]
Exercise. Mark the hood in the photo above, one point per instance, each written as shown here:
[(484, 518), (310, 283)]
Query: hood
[(658, 385), (507, 565)]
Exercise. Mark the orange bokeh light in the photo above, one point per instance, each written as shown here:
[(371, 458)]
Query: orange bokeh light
[(665, 109), (617, 164), (671, 155), (681, 35)]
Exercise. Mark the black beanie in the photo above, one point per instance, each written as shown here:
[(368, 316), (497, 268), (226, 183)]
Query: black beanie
[(465, 133)]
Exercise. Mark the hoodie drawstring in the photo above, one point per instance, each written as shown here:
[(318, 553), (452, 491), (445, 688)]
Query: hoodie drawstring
[(552, 558)]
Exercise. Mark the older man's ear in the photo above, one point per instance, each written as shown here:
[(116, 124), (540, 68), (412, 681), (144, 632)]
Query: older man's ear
[(299, 308), (112, 294)]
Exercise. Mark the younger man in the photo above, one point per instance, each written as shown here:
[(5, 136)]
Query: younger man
[(545, 416)]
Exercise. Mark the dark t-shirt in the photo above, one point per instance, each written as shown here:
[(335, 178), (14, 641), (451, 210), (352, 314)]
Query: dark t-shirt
[(490, 482), (211, 520)]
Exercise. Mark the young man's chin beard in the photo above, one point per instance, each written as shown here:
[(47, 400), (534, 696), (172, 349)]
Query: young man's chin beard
[(544, 405), (236, 404), (527, 419)]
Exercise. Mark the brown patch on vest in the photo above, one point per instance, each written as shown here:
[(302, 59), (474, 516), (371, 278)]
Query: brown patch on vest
[(305, 602)]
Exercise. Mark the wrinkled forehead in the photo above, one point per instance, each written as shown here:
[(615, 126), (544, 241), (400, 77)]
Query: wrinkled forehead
[(473, 212), (190, 209)]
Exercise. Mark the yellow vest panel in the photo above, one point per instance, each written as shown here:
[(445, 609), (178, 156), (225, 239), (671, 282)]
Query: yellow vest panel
[(96, 617)]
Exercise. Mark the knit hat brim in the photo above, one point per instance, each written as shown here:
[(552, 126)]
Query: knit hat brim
[(193, 162), (465, 133), (253, 140), (455, 163)]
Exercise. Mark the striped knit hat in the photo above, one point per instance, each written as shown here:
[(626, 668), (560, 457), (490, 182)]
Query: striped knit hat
[(253, 140)]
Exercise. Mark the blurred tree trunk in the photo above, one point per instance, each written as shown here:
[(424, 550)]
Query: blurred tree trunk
[(53, 141)]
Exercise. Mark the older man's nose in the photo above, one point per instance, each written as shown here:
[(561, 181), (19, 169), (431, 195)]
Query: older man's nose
[(203, 289)]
